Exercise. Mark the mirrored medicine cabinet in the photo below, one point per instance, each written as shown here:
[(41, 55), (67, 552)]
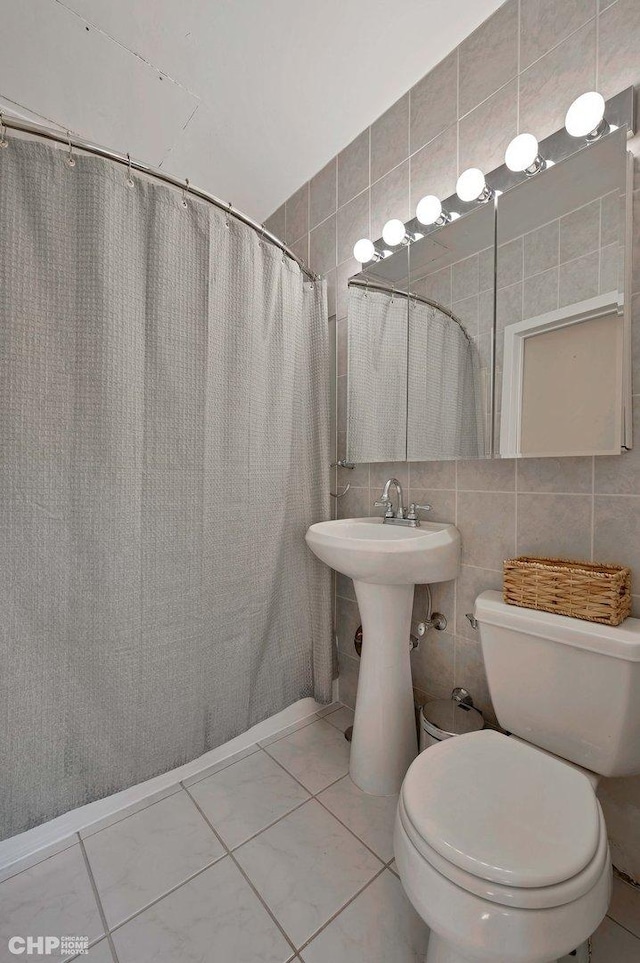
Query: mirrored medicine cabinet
[(504, 332)]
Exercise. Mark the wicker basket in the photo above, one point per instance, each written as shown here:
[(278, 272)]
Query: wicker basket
[(583, 590)]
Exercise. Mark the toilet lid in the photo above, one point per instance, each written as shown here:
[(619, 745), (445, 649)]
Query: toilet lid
[(502, 810)]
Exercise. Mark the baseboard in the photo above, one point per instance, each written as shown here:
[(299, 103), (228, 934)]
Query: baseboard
[(58, 833)]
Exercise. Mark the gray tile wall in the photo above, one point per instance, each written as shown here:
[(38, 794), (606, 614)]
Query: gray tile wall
[(518, 71)]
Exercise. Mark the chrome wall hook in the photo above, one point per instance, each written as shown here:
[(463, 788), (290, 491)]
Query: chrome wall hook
[(71, 161), (3, 133), (130, 181), (185, 191), (340, 494)]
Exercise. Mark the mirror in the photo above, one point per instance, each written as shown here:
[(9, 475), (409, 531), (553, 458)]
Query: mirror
[(449, 395), (504, 331), (377, 319), (419, 348), (562, 326)]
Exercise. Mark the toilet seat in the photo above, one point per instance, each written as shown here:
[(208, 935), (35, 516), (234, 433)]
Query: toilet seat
[(505, 822)]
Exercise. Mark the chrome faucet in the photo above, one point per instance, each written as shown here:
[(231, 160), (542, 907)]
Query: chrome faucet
[(398, 517)]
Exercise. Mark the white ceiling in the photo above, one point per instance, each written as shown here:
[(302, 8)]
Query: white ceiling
[(246, 98)]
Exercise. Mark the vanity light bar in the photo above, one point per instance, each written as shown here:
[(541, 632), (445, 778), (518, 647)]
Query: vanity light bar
[(585, 119)]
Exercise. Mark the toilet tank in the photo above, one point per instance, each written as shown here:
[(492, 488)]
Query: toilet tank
[(565, 685)]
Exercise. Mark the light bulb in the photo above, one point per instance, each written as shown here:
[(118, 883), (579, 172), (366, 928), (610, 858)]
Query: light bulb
[(429, 209), (522, 155), (394, 232), (472, 186), (585, 117), (363, 250)]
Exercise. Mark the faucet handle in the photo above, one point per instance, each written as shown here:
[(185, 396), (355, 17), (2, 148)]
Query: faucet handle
[(386, 503), (414, 509)]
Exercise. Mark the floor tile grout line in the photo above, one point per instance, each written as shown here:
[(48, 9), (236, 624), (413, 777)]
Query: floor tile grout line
[(351, 899), (143, 909), (361, 841), (622, 926), (325, 807), (244, 874), (96, 894)]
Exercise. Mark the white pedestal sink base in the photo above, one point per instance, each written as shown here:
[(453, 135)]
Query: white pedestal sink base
[(384, 742)]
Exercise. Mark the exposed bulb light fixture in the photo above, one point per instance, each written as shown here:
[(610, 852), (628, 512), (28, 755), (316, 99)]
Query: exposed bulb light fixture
[(472, 186), (523, 155), (394, 232), (429, 211), (364, 251), (585, 117)]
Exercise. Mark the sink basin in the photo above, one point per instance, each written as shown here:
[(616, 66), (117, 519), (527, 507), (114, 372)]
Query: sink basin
[(385, 561), (367, 550)]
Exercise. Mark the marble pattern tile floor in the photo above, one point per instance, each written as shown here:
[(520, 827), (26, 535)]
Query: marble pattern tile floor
[(273, 857)]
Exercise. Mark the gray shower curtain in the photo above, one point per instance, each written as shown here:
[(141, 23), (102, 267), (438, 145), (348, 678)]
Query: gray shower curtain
[(163, 448)]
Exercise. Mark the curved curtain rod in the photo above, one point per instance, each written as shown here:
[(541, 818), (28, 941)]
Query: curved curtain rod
[(14, 123), (377, 286)]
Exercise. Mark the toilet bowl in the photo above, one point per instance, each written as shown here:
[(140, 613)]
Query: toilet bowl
[(499, 840), (502, 850)]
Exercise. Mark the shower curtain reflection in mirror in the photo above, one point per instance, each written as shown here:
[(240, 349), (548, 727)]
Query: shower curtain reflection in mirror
[(415, 385)]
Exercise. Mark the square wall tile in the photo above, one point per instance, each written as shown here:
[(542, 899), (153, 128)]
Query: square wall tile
[(390, 138), (618, 45), (469, 585), (471, 675), (432, 474), (348, 680), (323, 193), (434, 168), (487, 474), (554, 525), (297, 214), (616, 536), (322, 246), (434, 102), (551, 83), (541, 249), (579, 279), (347, 622), (554, 474), (275, 223), (545, 23), (580, 232), (487, 524), (489, 57), (485, 132), (353, 168), (390, 198), (353, 223)]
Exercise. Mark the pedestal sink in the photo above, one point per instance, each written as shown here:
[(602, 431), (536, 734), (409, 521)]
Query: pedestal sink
[(385, 561)]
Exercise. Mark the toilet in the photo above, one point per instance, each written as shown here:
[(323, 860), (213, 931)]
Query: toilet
[(500, 841)]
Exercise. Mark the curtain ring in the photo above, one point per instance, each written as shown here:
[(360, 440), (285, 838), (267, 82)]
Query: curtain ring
[(71, 161), (263, 229), (226, 220), (185, 191), (3, 131), (130, 181)]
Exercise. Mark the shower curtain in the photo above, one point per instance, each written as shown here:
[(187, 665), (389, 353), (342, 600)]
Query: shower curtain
[(163, 448)]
